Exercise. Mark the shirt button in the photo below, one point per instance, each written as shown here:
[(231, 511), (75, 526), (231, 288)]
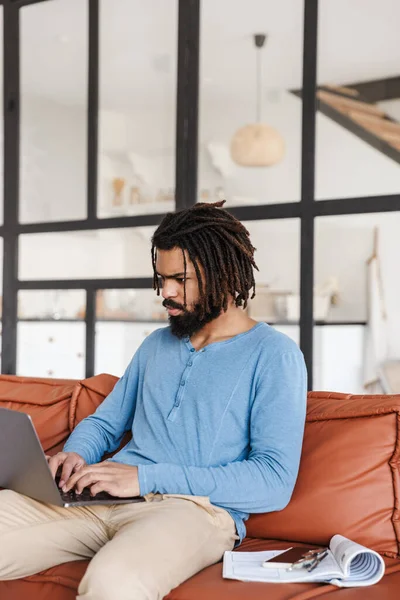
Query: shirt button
[(190, 363), (192, 350), (182, 383)]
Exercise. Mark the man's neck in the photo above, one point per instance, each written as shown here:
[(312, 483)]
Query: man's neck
[(230, 323)]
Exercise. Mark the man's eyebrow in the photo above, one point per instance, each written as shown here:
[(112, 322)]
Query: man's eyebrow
[(174, 276)]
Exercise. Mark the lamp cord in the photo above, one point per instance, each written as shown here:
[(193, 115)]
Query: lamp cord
[(258, 85)]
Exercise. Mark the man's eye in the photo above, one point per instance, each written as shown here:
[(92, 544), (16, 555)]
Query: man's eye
[(180, 279)]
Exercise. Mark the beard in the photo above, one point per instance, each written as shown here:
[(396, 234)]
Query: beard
[(190, 322)]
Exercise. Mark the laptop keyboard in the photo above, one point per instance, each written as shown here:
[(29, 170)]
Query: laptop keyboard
[(85, 496)]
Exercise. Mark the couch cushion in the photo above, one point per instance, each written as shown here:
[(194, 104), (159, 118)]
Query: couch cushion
[(61, 583), (55, 405), (349, 476), (57, 583), (209, 584)]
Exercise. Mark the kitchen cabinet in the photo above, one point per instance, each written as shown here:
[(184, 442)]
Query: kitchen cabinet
[(51, 349), (57, 349), (338, 356)]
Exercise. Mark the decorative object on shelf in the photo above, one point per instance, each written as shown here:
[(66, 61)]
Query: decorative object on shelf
[(257, 144), (158, 312), (100, 303), (325, 295), (160, 196), (135, 196), (263, 307), (220, 158), (81, 313), (118, 184), (205, 195), (170, 195)]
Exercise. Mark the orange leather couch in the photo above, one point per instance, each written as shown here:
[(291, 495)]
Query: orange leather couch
[(349, 483)]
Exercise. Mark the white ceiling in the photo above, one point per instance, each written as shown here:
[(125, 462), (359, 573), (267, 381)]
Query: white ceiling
[(358, 40)]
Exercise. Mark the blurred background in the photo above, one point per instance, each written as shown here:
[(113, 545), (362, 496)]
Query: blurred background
[(106, 128)]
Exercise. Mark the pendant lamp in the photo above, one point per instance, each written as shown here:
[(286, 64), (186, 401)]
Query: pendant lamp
[(257, 144)]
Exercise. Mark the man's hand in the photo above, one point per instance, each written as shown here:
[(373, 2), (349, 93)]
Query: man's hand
[(71, 462), (115, 478)]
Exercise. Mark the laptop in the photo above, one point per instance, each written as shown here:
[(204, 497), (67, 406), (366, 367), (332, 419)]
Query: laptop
[(24, 467)]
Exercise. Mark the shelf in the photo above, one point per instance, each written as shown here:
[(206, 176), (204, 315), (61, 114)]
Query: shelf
[(318, 323), (101, 320)]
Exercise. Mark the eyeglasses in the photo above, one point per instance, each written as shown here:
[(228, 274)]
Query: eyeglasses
[(310, 560)]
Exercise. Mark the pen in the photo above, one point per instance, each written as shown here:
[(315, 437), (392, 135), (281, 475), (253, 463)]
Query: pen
[(317, 560), (310, 560)]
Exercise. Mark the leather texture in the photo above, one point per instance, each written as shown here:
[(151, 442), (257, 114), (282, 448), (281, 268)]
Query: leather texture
[(348, 483), (349, 476), (209, 585), (55, 405)]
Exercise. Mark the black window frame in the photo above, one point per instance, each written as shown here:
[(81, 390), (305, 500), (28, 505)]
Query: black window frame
[(187, 117)]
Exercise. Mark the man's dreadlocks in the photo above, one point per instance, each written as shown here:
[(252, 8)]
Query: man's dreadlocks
[(220, 243)]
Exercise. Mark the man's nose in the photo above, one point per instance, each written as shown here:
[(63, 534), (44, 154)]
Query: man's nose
[(169, 289)]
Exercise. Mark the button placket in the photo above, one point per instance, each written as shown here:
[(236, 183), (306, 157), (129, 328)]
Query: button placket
[(182, 385)]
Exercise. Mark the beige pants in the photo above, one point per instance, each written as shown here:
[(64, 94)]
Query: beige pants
[(139, 551)]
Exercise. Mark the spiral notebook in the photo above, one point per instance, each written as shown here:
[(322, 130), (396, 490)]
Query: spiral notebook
[(347, 564)]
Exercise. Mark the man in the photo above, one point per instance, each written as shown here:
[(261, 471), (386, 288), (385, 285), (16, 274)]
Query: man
[(216, 406)]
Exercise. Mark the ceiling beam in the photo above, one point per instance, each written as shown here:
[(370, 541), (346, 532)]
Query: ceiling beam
[(378, 90)]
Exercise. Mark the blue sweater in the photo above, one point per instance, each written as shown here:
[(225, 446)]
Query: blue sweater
[(225, 422)]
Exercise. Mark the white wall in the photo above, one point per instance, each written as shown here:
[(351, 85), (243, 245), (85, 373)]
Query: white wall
[(53, 161), (347, 167)]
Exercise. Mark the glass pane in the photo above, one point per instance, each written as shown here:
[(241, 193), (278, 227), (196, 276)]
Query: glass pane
[(54, 59), (277, 281), (130, 305), (358, 138), (254, 165), (86, 254), (1, 296), (138, 61), (51, 350), (356, 274), (52, 304), (1, 120), (124, 339), (1, 275)]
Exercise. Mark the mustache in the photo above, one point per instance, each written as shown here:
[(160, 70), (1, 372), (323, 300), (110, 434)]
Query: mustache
[(172, 304)]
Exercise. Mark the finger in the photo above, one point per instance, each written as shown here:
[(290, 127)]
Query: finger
[(89, 480), (74, 480), (55, 461), (71, 465), (71, 480), (101, 486), (80, 471)]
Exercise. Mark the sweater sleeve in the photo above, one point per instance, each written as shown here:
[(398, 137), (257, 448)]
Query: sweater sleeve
[(102, 431), (264, 481)]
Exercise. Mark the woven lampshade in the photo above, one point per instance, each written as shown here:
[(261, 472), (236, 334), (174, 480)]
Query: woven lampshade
[(257, 145)]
